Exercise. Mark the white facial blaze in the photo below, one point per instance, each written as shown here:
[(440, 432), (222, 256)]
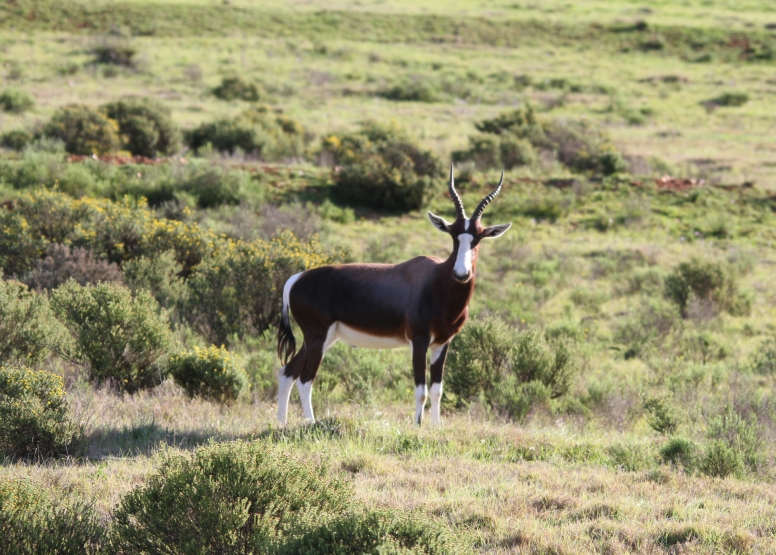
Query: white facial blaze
[(463, 263)]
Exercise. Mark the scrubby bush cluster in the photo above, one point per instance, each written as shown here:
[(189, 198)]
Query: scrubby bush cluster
[(513, 139), (698, 284), (234, 88), (212, 373), (511, 370), (16, 101), (378, 166), (258, 132), (33, 415)]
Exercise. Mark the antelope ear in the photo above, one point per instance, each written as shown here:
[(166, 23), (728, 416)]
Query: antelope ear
[(494, 231), (440, 223)]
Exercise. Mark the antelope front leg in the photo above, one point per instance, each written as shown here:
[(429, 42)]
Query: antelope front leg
[(438, 356), (419, 348)]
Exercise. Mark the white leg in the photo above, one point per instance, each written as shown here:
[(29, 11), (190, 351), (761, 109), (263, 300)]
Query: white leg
[(306, 393), (285, 383), (436, 397), (421, 392)]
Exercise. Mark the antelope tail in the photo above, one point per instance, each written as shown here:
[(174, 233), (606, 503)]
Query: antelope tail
[(286, 339)]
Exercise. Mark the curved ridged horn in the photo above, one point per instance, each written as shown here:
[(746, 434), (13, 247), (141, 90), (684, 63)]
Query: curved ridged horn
[(487, 200), (459, 212)]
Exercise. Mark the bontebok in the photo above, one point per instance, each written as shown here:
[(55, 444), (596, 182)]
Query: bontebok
[(421, 303)]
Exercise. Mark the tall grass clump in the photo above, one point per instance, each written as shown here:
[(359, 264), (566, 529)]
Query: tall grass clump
[(380, 167), (33, 415), (511, 370), (234, 88), (33, 522), (250, 498), (212, 373), (118, 336)]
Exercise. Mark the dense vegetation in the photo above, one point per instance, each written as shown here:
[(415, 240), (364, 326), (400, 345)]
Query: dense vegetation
[(166, 167)]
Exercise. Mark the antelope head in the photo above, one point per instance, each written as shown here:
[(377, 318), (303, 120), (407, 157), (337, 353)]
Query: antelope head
[(467, 232)]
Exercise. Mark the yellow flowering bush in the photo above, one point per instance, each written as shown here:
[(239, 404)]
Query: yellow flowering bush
[(33, 415), (213, 373), (238, 289)]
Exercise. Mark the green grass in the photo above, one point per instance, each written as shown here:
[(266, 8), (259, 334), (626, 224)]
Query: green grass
[(582, 474)]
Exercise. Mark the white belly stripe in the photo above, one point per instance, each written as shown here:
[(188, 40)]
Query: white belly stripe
[(358, 338)]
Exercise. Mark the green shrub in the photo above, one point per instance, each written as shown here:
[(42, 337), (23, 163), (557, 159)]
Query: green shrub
[(33, 523), (117, 335), (234, 88), (763, 360), (412, 90), (145, 126), (33, 415), (257, 132), (115, 49), (509, 140), (720, 460), (741, 435), (731, 99), (380, 167), (708, 284), (662, 415), (356, 371), (159, 276), (238, 289), (83, 130), (647, 326), (511, 369), (249, 498), (679, 451), (213, 187), (20, 247), (28, 330), (16, 139), (213, 373), (16, 101)]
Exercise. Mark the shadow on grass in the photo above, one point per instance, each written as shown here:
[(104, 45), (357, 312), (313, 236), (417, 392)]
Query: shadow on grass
[(144, 439)]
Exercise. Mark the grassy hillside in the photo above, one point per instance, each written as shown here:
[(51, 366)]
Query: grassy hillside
[(663, 442)]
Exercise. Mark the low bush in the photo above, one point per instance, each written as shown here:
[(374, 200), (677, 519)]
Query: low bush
[(145, 126), (28, 330), (709, 284), (159, 275), (234, 88), (213, 186), (63, 263), (213, 373), (741, 436), (511, 369), (16, 101), (237, 290), (20, 248), (679, 451), (32, 522), (249, 498), (115, 49), (33, 415), (83, 130), (120, 337), (16, 139), (258, 132), (411, 90), (381, 168), (511, 139), (763, 360), (734, 99), (357, 372)]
